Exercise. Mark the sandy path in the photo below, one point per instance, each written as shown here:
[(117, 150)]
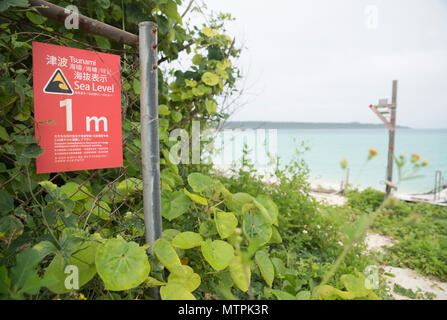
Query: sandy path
[(406, 278), (329, 198)]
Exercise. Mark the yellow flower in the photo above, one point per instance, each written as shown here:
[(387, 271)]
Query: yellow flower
[(424, 163), (344, 163), (82, 297), (415, 157), (372, 153)]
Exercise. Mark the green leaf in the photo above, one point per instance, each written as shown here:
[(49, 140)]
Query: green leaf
[(166, 254), (280, 268), (265, 265), (208, 228), (169, 234), (270, 206), (197, 59), (24, 268), (48, 185), (83, 258), (187, 240), (189, 280), (282, 295), (99, 208), (191, 83), (122, 265), (136, 86), (217, 253), (226, 223), (210, 106), (256, 226), (163, 110), (5, 4), (210, 32), (163, 24), (4, 134), (276, 236), (5, 282), (35, 18), (130, 185), (240, 273), (263, 211), (73, 191), (45, 248), (50, 215), (236, 201), (152, 282), (176, 116), (174, 204), (6, 202), (32, 151), (175, 291), (199, 182), (10, 228), (171, 11), (196, 198), (105, 4), (355, 284), (210, 79), (102, 42), (303, 295)]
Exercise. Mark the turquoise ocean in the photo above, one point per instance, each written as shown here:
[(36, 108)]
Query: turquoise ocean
[(327, 147)]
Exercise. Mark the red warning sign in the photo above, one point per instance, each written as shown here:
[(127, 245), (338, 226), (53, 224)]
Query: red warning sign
[(77, 106)]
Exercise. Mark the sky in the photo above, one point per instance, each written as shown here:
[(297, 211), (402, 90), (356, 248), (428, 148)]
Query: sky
[(328, 60)]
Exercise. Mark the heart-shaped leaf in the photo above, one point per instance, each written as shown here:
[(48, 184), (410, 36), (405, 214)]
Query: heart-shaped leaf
[(240, 273), (265, 265), (174, 204), (175, 291), (166, 254), (199, 182), (187, 240), (83, 258), (218, 253), (210, 79), (190, 280), (226, 223), (122, 265)]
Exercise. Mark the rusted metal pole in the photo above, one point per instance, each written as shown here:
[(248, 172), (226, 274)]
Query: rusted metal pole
[(57, 13), (391, 138)]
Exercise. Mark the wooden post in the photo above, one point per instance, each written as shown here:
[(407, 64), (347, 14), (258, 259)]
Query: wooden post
[(391, 125), (391, 138)]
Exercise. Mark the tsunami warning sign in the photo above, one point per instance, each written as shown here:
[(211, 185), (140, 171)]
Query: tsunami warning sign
[(77, 108)]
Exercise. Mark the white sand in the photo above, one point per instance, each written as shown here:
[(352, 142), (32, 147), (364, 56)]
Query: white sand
[(329, 198), (410, 279), (407, 278), (376, 242)]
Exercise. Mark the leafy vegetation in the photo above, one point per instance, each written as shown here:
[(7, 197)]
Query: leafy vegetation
[(420, 230), (223, 238)]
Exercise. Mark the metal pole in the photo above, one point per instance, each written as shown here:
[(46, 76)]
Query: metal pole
[(437, 184), (150, 150), (149, 131), (57, 13), (391, 136)]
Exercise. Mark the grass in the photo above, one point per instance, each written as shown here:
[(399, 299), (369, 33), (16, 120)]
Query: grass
[(420, 230)]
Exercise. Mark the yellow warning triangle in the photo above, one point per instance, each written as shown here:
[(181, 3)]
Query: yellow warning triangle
[(58, 84)]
